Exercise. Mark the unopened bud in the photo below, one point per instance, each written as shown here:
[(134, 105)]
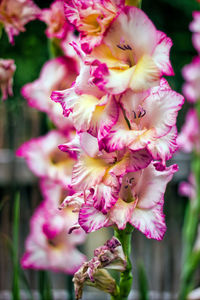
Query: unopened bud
[(93, 272)]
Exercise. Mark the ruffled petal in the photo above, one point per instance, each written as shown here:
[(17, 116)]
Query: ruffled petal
[(131, 161), (164, 147), (89, 144), (46, 160), (120, 136), (104, 195), (161, 109), (75, 201), (121, 213), (189, 137), (151, 222), (151, 186), (161, 54), (92, 219), (83, 110), (48, 247), (146, 74), (104, 118), (88, 172)]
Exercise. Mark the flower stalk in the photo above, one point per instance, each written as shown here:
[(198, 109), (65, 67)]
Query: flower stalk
[(191, 258), (137, 3), (126, 277)]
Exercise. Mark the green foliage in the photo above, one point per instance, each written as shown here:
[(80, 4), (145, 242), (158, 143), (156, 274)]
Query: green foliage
[(186, 5), (44, 286), (15, 283), (142, 282)]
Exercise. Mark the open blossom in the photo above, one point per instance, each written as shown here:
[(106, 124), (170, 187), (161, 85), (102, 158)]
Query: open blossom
[(92, 18), (152, 119), (90, 109), (191, 74), (140, 203), (49, 246), (188, 188), (54, 17), (98, 171), (195, 28), (53, 193), (132, 52), (93, 273), (14, 14), (7, 69), (45, 159), (189, 137), (57, 73)]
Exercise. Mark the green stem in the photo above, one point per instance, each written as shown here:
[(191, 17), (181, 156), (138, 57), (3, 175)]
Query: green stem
[(191, 259), (188, 274), (15, 283), (126, 277), (54, 48), (70, 287), (44, 286), (137, 3)]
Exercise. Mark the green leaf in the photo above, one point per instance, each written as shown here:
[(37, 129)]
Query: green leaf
[(142, 282), (70, 287), (15, 237), (23, 279), (44, 286)]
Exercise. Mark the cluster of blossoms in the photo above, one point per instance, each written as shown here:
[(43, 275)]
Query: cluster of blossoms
[(105, 163), (49, 246), (124, 113), (14, 15), (189, 138), (189, 142)]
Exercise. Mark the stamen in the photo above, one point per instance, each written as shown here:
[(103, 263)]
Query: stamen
[(142, 113), (139, 114), (131, 180), (135, 116), (124, 47)]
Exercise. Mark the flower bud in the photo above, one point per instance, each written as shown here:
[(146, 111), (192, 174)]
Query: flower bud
[(92, 273), (7, 69)]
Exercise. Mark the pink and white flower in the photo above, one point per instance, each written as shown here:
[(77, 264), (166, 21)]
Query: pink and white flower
[(188, 188), (152, 118), (54, 17), (7, 69), (189, 137), (191, 74), (91, 18), (54, 193), (66, 47), (57, 73), (90, 109), (140, 203), (98, 171), (195, 28), (133, 54), (45, 159), (15, 14), (49, 246)]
